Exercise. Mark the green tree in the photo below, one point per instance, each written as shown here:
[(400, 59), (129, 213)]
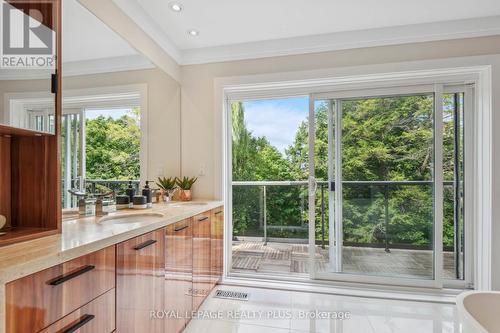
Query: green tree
[(383, 139), (113, 147)]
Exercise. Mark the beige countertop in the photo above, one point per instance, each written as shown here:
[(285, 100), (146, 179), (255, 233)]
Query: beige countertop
[(85, 235), (81, 236)]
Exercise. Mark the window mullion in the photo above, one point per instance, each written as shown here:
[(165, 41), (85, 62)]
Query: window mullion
[(438, 184)]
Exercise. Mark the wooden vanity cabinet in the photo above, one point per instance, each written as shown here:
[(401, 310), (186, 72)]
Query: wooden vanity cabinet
[(97, 316), (168, 271), (140, 283), (178, 274), (217, 245), (38, 300), (202, 283)]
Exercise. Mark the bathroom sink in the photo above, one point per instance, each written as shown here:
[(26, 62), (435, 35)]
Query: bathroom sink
[(131, 218), (184, 204)]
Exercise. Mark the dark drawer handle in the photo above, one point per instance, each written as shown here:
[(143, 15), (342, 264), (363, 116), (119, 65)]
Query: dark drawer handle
[(85, 319), (64, 278), (203, 218), (217, 213), (181, 228), (145, 244)]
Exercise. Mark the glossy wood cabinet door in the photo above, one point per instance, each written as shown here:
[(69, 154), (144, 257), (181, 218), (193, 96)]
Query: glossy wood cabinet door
[(140, 283), (217, 245), (202, 284), (178, 274), (98, 316), (38, 300)]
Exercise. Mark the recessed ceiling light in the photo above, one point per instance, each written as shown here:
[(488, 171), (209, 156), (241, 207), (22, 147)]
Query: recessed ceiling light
[(175, 6), (193, 32)]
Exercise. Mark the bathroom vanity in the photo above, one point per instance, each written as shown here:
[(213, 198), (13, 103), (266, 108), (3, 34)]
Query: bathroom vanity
[(121, 273)]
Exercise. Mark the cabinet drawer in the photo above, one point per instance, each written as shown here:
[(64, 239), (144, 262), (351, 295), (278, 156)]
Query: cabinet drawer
[(38, 300), (140, 283), (97, 316), (217, 244), (179, 273), (202, 284)]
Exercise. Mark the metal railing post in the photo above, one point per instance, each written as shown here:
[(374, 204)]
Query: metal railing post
[(322, 216), (386, 217), (265, 214)]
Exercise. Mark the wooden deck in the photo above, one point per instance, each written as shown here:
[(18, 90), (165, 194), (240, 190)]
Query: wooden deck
[(285, 258)]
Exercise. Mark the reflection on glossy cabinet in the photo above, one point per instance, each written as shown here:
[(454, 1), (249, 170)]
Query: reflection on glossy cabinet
[(202, 283), (97, 316), (217, 244), (140, 281), (178, 274), (38, 300)]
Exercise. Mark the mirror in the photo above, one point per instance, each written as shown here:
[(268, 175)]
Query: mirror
[(108, 89), (28, 60)]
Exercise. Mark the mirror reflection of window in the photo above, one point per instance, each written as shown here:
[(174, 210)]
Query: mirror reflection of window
[(101, 121)]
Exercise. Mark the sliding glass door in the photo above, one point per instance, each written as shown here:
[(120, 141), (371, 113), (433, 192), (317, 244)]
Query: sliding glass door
[(378, 190)]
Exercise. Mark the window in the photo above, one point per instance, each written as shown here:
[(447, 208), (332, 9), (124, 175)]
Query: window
[(101, 150), (389, 186)]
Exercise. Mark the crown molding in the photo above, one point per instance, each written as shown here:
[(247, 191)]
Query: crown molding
[(84, 67), (425, 32), (107, 65), (457, 29)]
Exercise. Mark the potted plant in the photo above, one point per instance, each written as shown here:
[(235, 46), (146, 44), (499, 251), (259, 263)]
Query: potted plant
[(168, 186), (185, 185)]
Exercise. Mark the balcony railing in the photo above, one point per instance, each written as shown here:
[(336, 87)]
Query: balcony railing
[(376, 213), (93, 185)]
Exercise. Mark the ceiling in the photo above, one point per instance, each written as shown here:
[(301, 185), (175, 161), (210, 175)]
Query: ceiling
[(269, 27), (90, 46), (85, 37)]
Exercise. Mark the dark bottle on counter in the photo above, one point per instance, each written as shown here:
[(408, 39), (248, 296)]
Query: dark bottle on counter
[(130, 192), (146, 191)]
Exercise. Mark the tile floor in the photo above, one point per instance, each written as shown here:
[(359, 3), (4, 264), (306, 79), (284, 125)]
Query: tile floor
[(286, 311)]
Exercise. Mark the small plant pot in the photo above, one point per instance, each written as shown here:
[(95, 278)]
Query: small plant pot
[(185, 195)]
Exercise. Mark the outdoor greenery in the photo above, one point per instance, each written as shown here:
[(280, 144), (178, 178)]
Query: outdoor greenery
[(113, 147), (384, 139)]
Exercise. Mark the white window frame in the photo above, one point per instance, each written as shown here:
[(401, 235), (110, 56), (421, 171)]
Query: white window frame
[(228, 90)]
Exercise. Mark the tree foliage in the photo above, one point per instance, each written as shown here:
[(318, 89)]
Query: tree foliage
[(383, 139), (113, 147)]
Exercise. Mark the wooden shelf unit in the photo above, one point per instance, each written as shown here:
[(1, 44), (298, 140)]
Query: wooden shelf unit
[(30, 176)]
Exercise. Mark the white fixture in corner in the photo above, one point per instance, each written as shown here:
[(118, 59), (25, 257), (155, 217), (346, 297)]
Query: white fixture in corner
[(478, 311), (193, 32), (176, 7)]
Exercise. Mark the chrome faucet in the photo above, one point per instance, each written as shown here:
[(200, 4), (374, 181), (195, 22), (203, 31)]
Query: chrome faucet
[(83, 203), (99, 206)]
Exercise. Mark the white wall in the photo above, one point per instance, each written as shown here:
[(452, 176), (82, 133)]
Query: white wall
[(201, 118)]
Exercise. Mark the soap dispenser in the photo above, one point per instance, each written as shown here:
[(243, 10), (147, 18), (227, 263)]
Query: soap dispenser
[(130, 193), (146, 191)]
